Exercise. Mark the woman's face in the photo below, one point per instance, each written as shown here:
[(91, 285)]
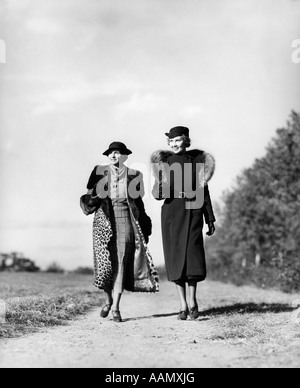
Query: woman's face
[(178, 145), (117, 159)]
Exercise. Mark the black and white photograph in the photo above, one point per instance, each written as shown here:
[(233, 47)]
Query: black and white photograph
[(150, 187)]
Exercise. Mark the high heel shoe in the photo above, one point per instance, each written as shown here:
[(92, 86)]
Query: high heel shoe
[(194, 313), (117, 316), (105, 311), (183, 315)]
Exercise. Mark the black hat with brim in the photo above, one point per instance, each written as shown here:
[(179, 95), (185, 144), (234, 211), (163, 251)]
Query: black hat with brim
[(178, 131), (117, 146)]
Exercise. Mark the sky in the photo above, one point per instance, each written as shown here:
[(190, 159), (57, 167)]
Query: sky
[(81, 74)]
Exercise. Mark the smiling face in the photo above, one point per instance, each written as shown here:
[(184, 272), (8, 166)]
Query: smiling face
[(178, 145), (117, 159)]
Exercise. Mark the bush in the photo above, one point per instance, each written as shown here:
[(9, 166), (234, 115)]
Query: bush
[(55, 268), (84, 271), (16, 262)]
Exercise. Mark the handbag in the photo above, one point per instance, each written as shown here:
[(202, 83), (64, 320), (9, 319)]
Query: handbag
[(90, 203)]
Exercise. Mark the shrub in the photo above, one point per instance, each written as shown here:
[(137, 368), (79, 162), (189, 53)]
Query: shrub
[(55, 268), (84, 271)]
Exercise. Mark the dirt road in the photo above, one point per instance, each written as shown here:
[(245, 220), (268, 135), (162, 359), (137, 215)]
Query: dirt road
[(152, 337)]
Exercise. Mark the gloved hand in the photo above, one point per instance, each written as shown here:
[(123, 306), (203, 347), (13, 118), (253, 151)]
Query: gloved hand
[(211, 229)]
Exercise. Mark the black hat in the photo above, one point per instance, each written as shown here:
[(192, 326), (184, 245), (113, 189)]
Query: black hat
[(117, 146), (178, 131)]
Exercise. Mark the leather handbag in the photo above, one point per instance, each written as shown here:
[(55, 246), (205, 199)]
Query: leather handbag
[(90, 203)]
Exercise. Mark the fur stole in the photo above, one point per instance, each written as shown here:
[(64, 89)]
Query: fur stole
[(158, 158)]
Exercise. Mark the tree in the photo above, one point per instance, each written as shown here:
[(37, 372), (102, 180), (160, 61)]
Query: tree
[(260, 217), (55, 268)]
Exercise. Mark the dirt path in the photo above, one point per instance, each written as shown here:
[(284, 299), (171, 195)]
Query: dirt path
[(150, 337)]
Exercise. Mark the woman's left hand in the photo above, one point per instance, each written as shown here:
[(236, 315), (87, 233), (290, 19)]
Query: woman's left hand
[(211, 229)]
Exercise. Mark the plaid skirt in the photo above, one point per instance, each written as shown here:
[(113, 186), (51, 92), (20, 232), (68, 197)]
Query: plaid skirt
[(122, 246)]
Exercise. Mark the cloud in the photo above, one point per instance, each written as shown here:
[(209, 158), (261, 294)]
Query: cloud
[(44, 108), (76, 90), (44, 26), (8, 146), (192, 111), (16, 5), (141, 103)]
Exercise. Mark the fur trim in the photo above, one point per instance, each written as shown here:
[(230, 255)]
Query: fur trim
[(158, 161), (161, 156), (209, 167)]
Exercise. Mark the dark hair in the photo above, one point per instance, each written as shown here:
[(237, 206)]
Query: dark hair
[(187, 140)]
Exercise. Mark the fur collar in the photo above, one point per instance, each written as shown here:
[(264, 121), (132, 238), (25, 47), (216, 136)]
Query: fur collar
[(207, 159)]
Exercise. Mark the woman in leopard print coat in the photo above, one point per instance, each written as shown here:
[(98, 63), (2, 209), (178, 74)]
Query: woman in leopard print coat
[(121, 231)]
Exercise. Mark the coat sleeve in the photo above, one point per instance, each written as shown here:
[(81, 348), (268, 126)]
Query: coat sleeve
[(157, 191), (161, 189), (93, 179), (142, 186), (208, 210), (144, 220)]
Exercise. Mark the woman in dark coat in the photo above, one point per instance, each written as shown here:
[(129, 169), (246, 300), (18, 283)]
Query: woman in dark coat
[(181, 180), (121, 230)]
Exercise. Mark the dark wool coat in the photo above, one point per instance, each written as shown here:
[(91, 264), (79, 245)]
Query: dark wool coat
[(182, 228), (141, 276)]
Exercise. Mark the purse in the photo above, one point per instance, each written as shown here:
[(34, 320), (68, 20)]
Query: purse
[(90, 203)]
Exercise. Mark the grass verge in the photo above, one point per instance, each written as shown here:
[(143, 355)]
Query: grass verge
[(50, 307)]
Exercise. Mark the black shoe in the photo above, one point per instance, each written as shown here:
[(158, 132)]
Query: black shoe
[(183, 315), (117, 316), (105, 311), (194, 313)]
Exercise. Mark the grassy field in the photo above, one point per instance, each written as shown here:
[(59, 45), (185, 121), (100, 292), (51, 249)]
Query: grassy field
[(42, 300)]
